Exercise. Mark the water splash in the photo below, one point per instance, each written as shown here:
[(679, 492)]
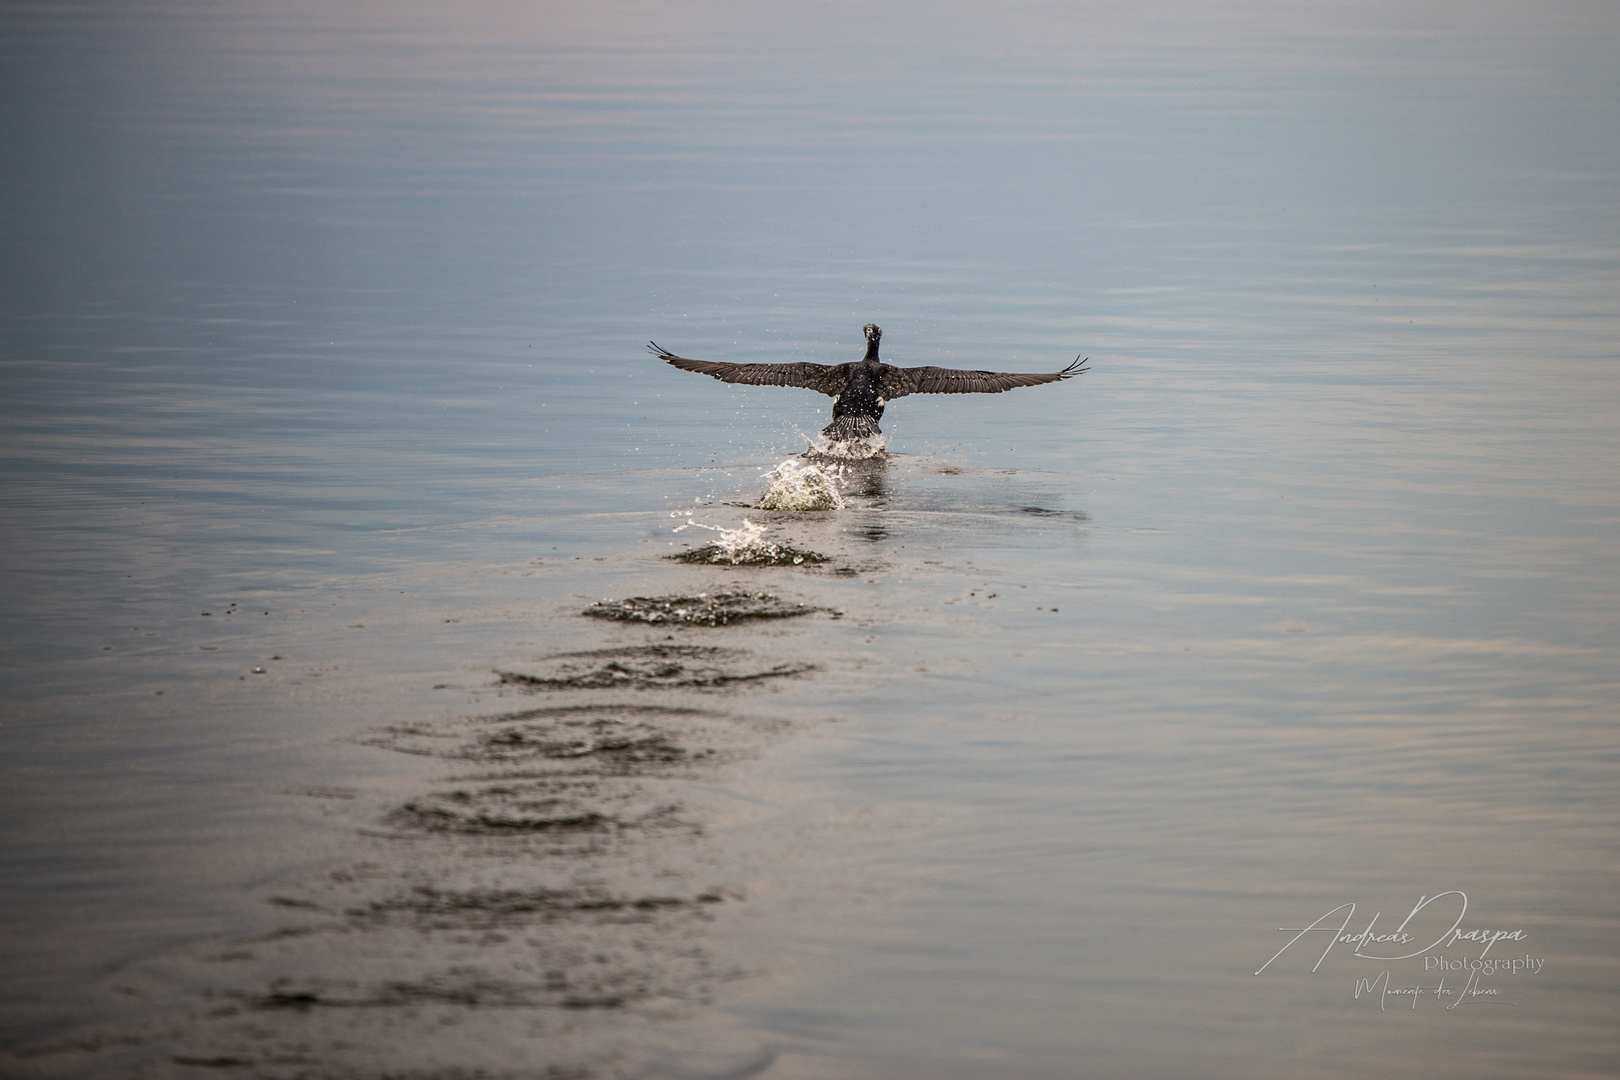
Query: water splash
[(824, 449), (803, 485), (744, 546)]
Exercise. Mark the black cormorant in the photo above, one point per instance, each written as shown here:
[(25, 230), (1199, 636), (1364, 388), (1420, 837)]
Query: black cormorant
[(863, 388)]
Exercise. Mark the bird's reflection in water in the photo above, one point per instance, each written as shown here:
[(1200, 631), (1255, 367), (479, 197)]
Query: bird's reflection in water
[(867, 482), (868, 479)]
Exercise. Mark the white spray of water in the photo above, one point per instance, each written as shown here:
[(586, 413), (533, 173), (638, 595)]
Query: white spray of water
[(741, 546), (827, 449), (802, 485)]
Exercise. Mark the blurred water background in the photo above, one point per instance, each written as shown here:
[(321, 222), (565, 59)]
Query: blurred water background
[(328, 319)]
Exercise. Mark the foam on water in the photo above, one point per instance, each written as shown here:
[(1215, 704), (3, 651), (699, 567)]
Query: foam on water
[(803, 485)]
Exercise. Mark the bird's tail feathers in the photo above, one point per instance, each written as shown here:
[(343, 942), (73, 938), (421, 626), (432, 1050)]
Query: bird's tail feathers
[(844, 428)]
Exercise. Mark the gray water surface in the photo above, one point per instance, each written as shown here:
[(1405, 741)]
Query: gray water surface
[(327, 414)]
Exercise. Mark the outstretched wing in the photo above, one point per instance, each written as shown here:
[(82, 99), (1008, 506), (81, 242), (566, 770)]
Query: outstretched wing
[(819, 377), (897, 382)]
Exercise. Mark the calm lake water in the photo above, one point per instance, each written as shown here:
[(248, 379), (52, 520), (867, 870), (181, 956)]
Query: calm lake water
[(327, 414)]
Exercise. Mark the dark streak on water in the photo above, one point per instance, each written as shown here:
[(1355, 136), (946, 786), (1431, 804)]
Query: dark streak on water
[(779, 555), (718, 609)]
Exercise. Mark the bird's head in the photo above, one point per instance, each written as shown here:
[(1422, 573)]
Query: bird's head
[(873, 332)]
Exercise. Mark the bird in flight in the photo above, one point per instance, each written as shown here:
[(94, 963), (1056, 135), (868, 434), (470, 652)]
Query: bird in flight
[(864, 387)]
